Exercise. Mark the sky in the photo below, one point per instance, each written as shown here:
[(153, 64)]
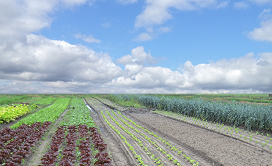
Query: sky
[(135, 46)]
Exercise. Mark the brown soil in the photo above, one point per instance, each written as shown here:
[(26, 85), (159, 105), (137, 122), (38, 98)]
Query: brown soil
[(204, 145), (199, 156)]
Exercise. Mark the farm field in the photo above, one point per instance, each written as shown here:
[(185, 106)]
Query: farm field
[(131, 130)]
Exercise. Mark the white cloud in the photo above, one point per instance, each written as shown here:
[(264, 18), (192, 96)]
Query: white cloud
[(140, 55), (157, 12), (125, 59), (135, 62), (245, 74), (125, 2), (241, 5), (89, 39), (144, 37), (41, 59), (264, 33), (20, 18)]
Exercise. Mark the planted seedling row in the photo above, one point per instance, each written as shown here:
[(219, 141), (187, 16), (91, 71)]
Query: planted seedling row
[(162, 155), (16, 145), (131, 147), (172, 153), (125, 137), (150, 147), (255, 138)]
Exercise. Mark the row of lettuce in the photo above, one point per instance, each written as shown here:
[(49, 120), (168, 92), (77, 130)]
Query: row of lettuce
[(236, 114), (77, 140), (11, 112), (79, 130)]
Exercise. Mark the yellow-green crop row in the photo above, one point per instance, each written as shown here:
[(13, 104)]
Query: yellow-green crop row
[(10, 113), (50, 113)]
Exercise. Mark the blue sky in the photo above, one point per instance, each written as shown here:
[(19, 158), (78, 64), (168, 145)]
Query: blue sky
[(136, 46)]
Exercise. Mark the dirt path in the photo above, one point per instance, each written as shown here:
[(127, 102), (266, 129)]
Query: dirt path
[(212, 145)]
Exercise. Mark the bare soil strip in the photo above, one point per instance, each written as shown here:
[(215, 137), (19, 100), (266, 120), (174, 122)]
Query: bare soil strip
[(117, 149), (216, 146), (261, 140)]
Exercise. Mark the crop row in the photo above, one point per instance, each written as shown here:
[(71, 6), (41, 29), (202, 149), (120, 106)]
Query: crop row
[(131, 148), (236, 114), (50, 113), (10, 113), (141, 130), (78, 114), (46, 101), (16, 144), (76, 145), (143, 140)]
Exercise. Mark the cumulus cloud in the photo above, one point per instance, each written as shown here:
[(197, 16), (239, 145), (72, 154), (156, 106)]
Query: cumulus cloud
[(264, 33), (89, 39), (157, 12), (138, 56), (30, 15), (235, 75), (41, 59), (241, 5), (31, 61)]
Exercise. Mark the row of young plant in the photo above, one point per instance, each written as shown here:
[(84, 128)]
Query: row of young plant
[(46, 101), (98, 106), (131, 148), (77, 140), (255, 138), (236, 114), (152, 156), (10, 113), (164, 151), (16, 145), (50, 113)]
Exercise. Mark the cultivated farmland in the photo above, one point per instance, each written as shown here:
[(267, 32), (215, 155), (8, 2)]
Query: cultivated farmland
[(121, 130)]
